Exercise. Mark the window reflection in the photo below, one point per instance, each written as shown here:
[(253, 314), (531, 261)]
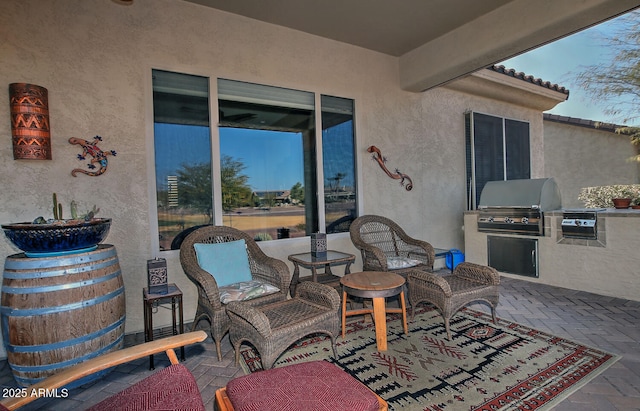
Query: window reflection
[(182, 146), (268, 159), (263, 182), (338, 163)]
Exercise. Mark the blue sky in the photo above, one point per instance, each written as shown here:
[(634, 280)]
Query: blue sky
[(560, 61), (273, 160)]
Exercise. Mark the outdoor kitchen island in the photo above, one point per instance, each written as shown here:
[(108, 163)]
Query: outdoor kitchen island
[(607, 265)]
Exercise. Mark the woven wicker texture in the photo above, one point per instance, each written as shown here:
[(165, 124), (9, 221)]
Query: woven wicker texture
[(379, 238), (469, 283), (210, 308), (272, 328)]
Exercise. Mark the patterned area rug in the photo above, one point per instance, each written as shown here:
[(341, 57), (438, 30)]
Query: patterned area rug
[(485, 367)]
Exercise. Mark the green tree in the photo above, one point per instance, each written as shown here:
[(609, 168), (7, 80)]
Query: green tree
[(235, 189), (617, 82), (297, 192), (194, 187), (269, 200)]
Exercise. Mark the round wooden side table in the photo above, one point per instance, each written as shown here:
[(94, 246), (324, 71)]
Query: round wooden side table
[(376, 285)]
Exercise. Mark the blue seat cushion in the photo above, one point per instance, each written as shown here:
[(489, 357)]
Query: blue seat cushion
[(227, 262)]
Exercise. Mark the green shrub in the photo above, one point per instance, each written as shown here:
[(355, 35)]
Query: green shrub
[(600, 196), (262, 237)]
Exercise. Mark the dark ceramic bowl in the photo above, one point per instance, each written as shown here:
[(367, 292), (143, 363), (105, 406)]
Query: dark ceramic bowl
[(57, 238)]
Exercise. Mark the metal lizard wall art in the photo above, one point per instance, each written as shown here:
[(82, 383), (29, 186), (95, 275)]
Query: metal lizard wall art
[(97, 156), (377, 156)]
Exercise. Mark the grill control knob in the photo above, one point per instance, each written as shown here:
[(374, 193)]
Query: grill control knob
[(490, 219), (578, 222), (525, 220), (508, 220)]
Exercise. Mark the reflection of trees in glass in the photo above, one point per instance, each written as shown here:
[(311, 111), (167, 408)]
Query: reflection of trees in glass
[(194, 188), (162, 197), (269, 200), (336, 181), (297, 193), (235, 190)]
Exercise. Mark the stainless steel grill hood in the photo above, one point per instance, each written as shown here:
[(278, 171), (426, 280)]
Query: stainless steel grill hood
[(540, 193)]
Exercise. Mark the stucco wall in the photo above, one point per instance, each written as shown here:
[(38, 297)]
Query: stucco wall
[(578, 157), (95, 58)]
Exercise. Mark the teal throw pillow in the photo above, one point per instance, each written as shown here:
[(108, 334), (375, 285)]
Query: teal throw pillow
[(227, 262)]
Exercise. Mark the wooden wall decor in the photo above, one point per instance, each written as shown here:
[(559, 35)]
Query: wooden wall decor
[(91, 149), (377, 156), (30, 130)]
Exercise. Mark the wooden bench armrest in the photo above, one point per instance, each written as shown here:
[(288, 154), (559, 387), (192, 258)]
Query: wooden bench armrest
[(104, 362)]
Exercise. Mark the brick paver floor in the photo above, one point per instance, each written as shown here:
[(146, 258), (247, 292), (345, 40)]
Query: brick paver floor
[(611, 324)]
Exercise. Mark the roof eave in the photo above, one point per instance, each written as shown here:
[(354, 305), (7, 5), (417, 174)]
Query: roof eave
[(580, 122), (498, 86)]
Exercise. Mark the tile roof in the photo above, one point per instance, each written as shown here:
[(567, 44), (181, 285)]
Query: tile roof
[(554, 117), (530, 79), (581, 122)]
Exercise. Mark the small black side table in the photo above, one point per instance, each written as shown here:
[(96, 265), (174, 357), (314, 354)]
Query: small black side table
[(173, 296), (308, 260)]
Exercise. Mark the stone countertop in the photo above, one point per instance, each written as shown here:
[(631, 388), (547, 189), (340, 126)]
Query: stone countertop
[(606, 212)]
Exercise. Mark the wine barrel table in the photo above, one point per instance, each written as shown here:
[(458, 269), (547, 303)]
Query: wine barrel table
[(58, 311)]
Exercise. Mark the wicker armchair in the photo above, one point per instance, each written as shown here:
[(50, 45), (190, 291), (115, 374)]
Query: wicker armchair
[(381, 240), (469, 283), (272, 328), (210, 308)]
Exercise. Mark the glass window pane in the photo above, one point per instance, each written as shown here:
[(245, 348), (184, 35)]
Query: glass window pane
[(268, 155), (488, 150), (182, 153), (268, 158), (338, 154), (501, 151), (263, 182), (518, 152)]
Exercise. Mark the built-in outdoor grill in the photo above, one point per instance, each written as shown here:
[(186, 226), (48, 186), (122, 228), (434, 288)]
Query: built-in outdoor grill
[(517, 206), (580, 224)]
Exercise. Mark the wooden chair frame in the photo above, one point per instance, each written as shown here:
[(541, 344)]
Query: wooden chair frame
[(103, 362)]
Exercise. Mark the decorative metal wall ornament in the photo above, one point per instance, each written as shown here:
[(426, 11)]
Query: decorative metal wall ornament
[(30, 130), (97, 156), (377, 156)]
